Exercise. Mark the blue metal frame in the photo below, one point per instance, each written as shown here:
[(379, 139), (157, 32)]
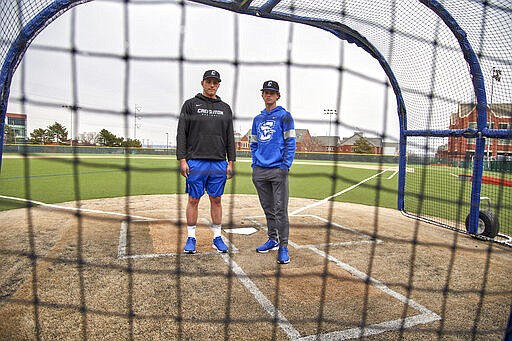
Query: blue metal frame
[(18, 48), (479, 88), (352, 36)]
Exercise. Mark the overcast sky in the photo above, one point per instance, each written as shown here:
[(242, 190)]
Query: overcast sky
[(154, 86)]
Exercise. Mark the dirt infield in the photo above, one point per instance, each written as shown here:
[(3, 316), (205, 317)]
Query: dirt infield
[(95, 276)]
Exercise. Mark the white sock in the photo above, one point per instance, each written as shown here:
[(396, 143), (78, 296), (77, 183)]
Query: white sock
[(191, 231), (216, 230)]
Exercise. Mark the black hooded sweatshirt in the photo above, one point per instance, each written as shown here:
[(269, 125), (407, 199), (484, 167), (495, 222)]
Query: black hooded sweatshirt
[(205, 130)]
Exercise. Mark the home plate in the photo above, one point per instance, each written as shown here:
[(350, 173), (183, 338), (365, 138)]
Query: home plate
[(242, 230)]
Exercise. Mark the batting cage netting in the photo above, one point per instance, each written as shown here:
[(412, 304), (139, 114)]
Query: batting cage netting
[(400, 192)]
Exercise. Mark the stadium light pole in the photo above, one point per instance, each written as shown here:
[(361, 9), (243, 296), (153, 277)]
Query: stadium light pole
[(72, 109), (330, 112), (135, 118), (166, 143), (496, 75)]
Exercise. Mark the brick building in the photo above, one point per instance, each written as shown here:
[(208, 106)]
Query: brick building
[(243, 142), (304, 140), (466, 117), (347, 143), (326, 144)]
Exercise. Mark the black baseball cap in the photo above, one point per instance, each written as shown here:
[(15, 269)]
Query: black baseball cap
[(211, 74), (270, 85)]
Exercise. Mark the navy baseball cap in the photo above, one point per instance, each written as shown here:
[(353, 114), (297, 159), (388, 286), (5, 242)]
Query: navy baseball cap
[(270, 85), (211, 74)]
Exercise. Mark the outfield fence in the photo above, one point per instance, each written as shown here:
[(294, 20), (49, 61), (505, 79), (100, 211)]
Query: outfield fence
[(342, 157)]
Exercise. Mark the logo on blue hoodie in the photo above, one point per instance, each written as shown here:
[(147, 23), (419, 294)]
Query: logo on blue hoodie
[(266, 131)]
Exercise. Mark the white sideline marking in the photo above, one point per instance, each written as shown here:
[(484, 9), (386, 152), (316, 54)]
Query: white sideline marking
[(392, 175), (265, 303), (378, 284), (318, 203), (75, 208)]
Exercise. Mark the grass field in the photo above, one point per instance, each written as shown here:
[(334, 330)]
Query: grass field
[(51, 179), (442, 192)]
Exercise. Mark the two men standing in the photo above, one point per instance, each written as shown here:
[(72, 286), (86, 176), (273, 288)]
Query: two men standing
[(205, 140)]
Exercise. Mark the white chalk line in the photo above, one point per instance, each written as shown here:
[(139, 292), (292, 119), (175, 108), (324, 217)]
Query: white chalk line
[(351, 243), (369, 238), (318, 203), (75, 209), (265, 303), (121, 249), (374, 329), (335, 224), (392, 175), (427, 316)]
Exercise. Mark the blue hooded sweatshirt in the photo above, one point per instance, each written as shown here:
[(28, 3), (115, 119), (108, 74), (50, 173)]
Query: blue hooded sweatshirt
[(273, 139)]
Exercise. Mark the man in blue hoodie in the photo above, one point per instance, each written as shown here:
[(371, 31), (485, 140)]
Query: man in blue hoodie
[(273, 145), (205, 139)]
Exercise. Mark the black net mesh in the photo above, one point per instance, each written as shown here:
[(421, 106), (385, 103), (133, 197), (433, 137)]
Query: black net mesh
[(110, 265)]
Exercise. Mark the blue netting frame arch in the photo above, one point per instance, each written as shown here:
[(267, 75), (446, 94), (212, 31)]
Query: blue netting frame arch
[(28, 27)]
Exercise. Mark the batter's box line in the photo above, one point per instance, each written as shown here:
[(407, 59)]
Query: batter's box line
[(370, 239), (374, 329), (122, 246), (359, 242), (425, 316)]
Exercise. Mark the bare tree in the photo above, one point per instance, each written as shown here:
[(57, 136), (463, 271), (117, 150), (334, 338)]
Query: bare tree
[(88, 138)]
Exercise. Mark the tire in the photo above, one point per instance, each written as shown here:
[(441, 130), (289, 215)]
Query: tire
[(488, 224)]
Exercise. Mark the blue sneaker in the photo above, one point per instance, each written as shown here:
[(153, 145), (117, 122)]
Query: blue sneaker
[(219, 244), (190, 245), (268, 246), (282, 255)]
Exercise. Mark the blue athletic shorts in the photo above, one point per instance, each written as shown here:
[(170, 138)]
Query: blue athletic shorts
[(206, 175)]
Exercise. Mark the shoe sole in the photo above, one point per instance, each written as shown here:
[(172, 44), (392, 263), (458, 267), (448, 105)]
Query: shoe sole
[(265, 251), (283, 262), (190, 252)]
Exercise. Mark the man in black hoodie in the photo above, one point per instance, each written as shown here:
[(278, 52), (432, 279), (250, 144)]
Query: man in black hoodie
[(205, 139)]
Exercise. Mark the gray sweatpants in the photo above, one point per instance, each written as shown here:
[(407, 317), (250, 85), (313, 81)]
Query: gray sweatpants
[(272, 187)]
